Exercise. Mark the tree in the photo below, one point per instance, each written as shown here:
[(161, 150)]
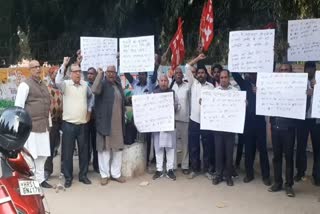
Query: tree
[(53, 27)]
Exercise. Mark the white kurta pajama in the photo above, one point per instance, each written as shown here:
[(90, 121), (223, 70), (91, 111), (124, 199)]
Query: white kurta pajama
[(165, 141), (38, 144)]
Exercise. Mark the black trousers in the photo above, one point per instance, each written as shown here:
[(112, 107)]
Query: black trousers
[(283, 142), (224, 145), (239, 149), (54, 144), (92, 144), (71, 134), (255, 138), (308, 126), (207, 140)]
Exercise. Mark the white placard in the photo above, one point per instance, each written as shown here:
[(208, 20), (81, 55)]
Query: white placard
[(98, 52), (282, 95), (315, 111), (153, 112), (223, 110), (251, 51), (136, 54), (304, 40)]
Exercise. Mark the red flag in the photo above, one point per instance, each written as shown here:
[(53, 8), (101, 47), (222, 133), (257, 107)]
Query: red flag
[(177, 46), (207, 25), (203, 17), (270, 25)]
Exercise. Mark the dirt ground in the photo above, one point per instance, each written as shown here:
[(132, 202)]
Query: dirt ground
[(180, 196)]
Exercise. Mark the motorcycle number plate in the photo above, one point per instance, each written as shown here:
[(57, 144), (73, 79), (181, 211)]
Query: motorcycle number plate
[(29, 187)]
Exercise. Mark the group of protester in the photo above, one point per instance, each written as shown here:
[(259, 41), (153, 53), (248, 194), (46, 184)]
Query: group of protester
[(92, 114)]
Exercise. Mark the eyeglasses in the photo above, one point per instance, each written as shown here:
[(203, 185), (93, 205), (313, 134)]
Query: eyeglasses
[(111, 72)]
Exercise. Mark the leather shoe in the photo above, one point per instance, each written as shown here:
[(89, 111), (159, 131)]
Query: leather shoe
[(45, 184), (275, 188), (248, 179), (290, 192), (216, 180), (266, 181), (67, 183), (229, 182), (85, 180), (316, 182)]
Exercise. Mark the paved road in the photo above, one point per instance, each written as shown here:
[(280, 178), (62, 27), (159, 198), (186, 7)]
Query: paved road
[(181, 196)]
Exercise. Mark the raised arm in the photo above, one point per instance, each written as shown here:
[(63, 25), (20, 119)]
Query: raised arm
[(97, 85), (189, 74), (239, 80), (129, 77), (197, 59), (59, 80)]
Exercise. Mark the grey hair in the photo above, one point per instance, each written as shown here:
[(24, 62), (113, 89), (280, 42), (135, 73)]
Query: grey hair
[(163, 76)]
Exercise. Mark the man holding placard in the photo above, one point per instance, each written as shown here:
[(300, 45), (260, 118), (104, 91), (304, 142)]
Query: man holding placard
[(224, 141), (308, 126), (197, 85), (283, 138), (165, 140), (144, 85)]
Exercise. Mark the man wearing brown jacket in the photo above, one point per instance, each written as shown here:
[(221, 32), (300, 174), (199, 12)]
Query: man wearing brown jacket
[(34, 97)]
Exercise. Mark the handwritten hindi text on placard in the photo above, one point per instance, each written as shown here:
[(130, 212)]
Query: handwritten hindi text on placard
[(153, 112), (223, 110), (251, 51), (282, 94), (137, 54), (98, 52), (304, 40)]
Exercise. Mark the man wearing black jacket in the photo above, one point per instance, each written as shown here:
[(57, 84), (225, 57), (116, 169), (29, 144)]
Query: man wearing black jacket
[(283, 138), (254, 131), (309, 125)]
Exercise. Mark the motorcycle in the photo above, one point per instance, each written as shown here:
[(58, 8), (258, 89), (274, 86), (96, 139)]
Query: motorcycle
[(19, 193)]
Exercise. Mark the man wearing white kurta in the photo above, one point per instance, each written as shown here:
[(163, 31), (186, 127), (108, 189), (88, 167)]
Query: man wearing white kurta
[(34, 97), (165, 140), (182, 90)]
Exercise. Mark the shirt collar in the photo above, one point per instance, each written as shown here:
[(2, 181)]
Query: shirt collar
[(228, 88), (182, 84), (76, 84), (206, 83)]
